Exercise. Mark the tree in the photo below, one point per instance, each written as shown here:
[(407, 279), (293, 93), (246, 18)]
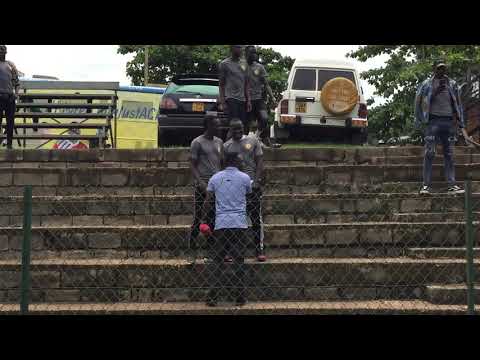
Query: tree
[(397, 81), (165, 61), (278, 67)]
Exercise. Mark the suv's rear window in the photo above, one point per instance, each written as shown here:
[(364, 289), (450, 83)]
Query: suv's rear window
[(304, 79), (193, 89), (326, 75)]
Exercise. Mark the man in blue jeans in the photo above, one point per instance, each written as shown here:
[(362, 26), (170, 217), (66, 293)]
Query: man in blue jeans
[(437, 101), (230, 188)]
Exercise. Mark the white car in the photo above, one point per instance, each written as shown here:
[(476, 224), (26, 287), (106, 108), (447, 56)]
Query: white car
[(323, 98)]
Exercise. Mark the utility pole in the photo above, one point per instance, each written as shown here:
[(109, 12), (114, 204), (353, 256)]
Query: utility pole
[(145, 77)]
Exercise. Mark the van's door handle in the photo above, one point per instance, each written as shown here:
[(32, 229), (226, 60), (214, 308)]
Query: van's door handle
[(305, 99)]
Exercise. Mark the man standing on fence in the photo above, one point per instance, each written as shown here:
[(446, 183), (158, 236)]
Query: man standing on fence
[(234, 94), (437, 101), (9, 87), (230, 188), (206, 154), (250, 150)]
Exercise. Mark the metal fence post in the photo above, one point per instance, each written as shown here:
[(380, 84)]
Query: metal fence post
[(469, 250), (27, 235)]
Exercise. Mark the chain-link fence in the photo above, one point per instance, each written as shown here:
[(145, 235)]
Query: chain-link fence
[(350, 252), (321, 239)]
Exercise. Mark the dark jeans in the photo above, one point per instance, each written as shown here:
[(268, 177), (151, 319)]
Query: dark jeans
[(237, 109), (439, 130), (234, 243), (199, 197), (260, 114), (7, 107), (254, 210)]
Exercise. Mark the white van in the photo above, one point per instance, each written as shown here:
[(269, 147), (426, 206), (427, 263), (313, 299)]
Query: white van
[(323, 98)]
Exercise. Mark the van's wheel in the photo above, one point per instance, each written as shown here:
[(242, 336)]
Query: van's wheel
[(296, 134), (357, 139)]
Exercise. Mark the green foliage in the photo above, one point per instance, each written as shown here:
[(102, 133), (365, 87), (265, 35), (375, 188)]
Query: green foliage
[(278, 67), (407, 66), (165, 61)]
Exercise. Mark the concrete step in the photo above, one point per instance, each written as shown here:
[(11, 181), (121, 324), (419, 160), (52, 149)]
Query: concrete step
[(277, 208), (275, 189), (272, 252), (276, 252), (110, 280), (40, 190), (330, 178), (411, 187), (451, 294), (179, 155), (66, 219), (176, 238), (432, 216), (376, 307), (418, 160), (152, 293), (183, 161), (440, 252), (438, 187)]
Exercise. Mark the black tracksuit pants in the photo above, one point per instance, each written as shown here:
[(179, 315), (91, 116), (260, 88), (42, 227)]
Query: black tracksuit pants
[(254, 210), (234, 243), (199, 197)]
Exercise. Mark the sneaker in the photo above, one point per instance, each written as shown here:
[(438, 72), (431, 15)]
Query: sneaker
[(425, 190), (240, 301), (228, 259), (455, 190), (211, 303), (261, 258), (267, 143), (192, 256)]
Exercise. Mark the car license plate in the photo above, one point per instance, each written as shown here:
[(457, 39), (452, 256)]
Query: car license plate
[(198, 107), (300, 107)]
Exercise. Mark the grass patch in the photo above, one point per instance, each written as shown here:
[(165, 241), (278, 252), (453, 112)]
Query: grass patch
[(322, 145)]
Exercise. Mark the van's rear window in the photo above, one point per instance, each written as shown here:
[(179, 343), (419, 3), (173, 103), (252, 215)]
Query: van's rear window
[(326, 75), (304, 79)]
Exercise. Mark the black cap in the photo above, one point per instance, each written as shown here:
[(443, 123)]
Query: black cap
[(3, 48), (231, 156)]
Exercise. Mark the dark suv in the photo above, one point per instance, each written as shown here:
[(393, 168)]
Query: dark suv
[(186, 101)]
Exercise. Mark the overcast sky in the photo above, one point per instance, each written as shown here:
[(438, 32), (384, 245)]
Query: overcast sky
[(102, 63)]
